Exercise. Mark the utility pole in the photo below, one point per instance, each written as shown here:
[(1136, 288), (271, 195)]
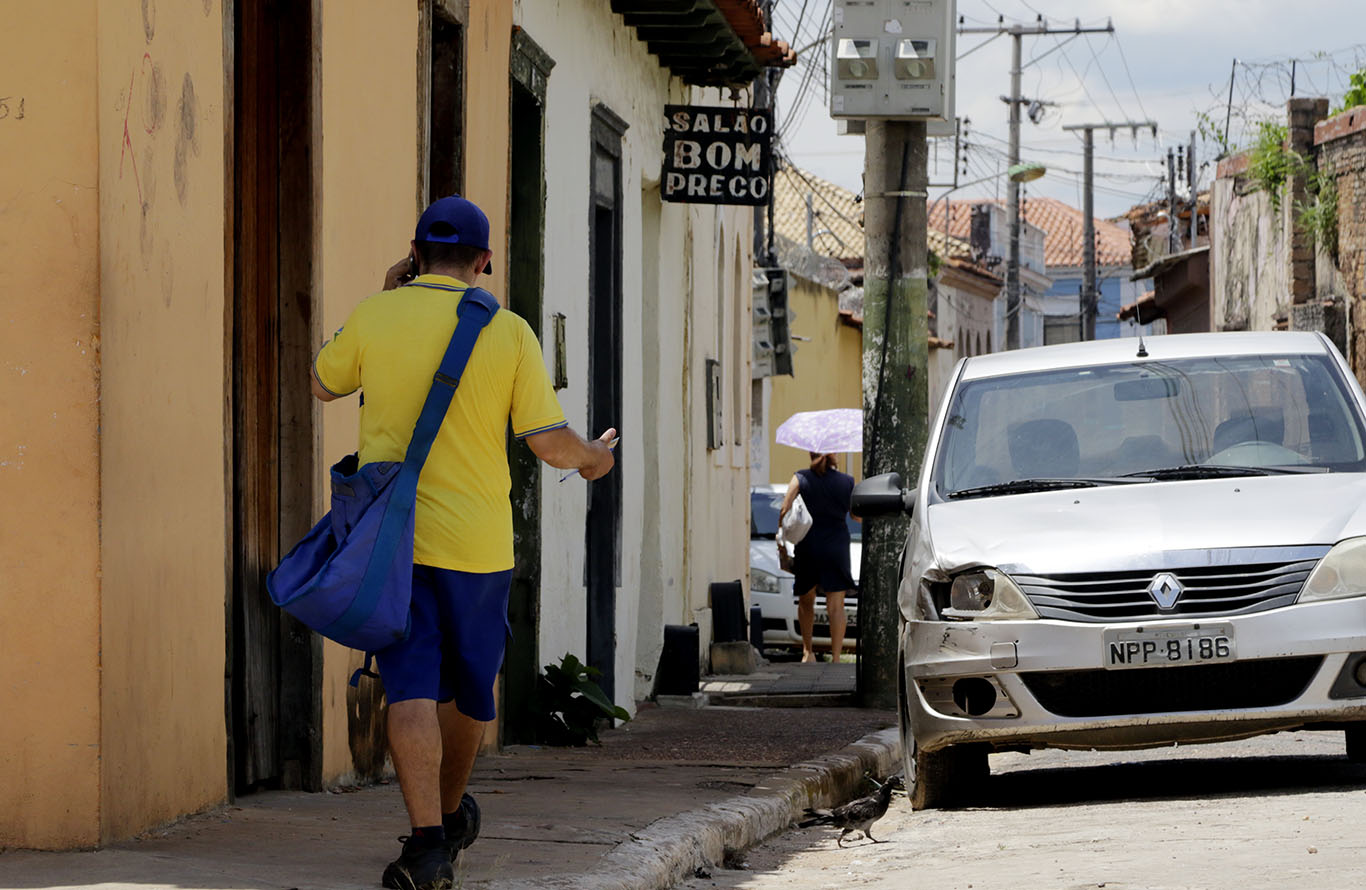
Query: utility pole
[(1173, 232), (1089, 296), (1017, 33), (1195, 197), (895, 372)]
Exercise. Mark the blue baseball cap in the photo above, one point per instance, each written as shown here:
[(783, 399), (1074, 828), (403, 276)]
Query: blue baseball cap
[(454, 220)]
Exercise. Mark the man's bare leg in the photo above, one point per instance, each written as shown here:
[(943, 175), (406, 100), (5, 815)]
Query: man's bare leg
[(415, 744), (460, 736)]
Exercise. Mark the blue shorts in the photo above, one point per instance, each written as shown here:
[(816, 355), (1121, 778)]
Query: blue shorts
[(455, 648)]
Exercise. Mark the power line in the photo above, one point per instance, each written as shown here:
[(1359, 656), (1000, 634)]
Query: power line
[(1120, 46)]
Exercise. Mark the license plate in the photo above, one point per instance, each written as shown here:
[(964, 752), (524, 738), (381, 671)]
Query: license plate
[(1163, 646)]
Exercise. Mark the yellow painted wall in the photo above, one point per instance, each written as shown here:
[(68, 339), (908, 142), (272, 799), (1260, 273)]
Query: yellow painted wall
[(488, 43), (49, 414), (828, 374), (367, 170), (164, 448)]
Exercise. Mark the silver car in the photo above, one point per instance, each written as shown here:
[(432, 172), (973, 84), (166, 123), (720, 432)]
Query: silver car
[(1124, 544)]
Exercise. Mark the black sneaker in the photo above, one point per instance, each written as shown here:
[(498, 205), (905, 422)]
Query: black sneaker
[(468, 830), (419, 868)]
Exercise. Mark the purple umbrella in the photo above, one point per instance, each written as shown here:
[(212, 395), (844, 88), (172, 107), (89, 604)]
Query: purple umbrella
[(830, 431)]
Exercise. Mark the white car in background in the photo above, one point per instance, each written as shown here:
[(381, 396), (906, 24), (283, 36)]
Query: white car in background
[(771, 588)]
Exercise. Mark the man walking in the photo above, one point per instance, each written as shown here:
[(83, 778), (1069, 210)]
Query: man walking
[(439, 681)]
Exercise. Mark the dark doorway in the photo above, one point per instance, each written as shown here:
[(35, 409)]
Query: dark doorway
[(273, 670), (446, 107), (526, 281), (602, 566)]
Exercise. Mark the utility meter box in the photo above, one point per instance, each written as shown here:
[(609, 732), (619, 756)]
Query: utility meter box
[(893, 59)]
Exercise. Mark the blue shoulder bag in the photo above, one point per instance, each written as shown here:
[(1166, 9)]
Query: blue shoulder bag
[(350, 578)]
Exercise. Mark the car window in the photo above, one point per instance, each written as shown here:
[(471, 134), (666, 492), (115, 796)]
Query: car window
[(763, 513), (1107, 421)]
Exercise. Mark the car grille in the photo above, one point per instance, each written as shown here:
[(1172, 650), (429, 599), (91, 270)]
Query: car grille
[(1228, 586), (1259, 683)]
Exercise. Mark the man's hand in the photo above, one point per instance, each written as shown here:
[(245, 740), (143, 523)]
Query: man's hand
[(567, 450), (399, 273), (601, 457)]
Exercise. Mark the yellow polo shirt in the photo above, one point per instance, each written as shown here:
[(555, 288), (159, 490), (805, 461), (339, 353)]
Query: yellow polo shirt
[(389, 349)]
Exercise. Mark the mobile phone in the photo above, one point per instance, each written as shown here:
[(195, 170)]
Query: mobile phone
[(412, 267)]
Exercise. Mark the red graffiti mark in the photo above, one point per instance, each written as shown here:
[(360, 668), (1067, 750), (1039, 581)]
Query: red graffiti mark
[(127, 147)]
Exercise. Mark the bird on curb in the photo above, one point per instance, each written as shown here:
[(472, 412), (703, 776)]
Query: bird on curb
[(857, 815)]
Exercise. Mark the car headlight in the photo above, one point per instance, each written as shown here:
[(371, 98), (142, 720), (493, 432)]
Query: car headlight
[(1341, 573), (763, 582), (987, 595)]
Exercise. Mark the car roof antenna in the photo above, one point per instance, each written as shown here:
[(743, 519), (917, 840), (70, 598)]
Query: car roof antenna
[(1142, 350)]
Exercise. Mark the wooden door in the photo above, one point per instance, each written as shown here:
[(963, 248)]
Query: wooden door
[(273, 661)]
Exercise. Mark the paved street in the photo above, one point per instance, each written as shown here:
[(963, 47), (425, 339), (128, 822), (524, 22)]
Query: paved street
[(1272, 812)]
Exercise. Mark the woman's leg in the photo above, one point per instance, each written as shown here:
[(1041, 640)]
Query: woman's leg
[(806, 620), (834, 610)]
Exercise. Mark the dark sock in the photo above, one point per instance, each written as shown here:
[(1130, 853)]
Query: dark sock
[(454, 823), (429, 836)]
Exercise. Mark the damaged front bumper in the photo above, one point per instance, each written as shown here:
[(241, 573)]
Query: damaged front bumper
[(1048, 683)]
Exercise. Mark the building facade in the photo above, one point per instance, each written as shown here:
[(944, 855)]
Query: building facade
[(201, 193)]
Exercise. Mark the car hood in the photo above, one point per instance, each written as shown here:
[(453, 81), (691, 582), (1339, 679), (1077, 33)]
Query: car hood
[(1085, 529)]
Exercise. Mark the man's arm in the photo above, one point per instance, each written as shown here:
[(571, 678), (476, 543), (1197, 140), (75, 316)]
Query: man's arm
[(319, 393), (567, 450)]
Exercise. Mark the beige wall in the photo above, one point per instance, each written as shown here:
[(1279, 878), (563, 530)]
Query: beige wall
[(163, 430), (828, 374), (487, 84), (367, 172), (49, 454)]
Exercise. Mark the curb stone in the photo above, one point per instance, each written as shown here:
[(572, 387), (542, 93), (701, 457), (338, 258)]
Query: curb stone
[(668, 850)]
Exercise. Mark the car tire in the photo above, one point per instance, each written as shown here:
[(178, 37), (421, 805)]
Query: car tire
[(946, 777), (1356, 743), (949, 777)]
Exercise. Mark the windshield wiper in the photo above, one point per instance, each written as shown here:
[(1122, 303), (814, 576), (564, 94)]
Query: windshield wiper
[(1021, 486), (1218, 471)]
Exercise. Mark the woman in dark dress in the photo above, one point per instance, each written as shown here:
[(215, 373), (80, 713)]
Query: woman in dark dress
[(822, 557)]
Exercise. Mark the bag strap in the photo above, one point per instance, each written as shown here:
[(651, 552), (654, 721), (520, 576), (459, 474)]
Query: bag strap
[(475, 311)]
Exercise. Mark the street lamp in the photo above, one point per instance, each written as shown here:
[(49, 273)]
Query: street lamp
[(1028, 171)]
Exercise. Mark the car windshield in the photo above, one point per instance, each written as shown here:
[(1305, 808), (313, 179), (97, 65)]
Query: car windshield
[(1173, 419), (763, 516)]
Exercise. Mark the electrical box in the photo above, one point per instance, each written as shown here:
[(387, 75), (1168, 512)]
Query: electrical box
[(773, 347), (893, 59)]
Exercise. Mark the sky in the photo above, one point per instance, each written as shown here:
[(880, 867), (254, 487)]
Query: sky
[(1168, 61)]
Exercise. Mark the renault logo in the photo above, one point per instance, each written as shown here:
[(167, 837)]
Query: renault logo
[(1165, 590)]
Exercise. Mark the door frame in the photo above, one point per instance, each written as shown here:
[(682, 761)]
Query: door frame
[(530, 68), (602, 553)]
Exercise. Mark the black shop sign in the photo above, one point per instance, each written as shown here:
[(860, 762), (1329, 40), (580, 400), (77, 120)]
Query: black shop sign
[(717, 155)]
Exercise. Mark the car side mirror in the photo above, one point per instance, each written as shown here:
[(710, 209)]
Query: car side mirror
[(881, 496)]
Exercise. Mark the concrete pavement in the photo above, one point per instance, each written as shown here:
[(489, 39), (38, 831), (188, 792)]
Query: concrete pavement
[(671, 791)]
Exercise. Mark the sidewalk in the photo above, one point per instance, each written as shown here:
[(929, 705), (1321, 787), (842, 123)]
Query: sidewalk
[(665, 793)]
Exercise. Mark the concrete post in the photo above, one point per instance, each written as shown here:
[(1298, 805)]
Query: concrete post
[(895, 376)]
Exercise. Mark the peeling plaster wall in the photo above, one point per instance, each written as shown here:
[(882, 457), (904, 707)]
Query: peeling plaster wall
[(1249, 285), (49, 447), (697, 530), (1342, 149), (163, 433)]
